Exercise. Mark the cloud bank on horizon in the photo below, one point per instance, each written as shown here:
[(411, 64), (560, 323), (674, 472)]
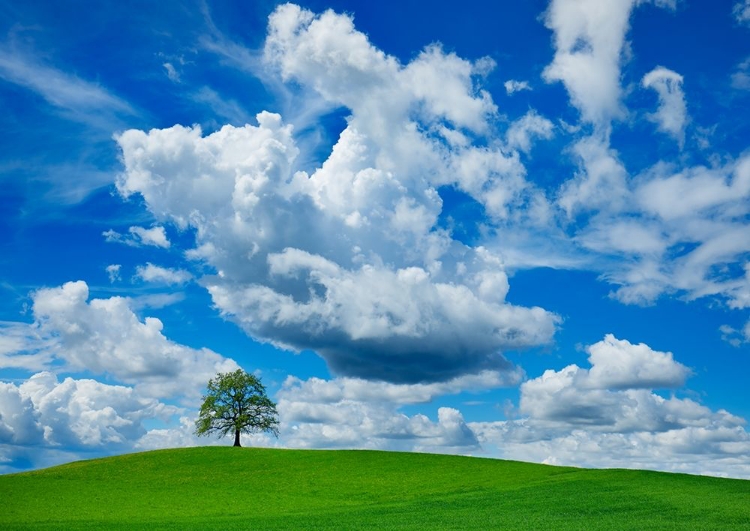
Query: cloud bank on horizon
[(377, 213)]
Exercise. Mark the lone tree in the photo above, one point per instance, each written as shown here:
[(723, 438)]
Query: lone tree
[(236, 402)]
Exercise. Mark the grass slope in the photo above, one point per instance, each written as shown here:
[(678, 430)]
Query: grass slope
[(247, 488)]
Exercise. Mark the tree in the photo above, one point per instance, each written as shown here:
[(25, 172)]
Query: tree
[(236, 402)]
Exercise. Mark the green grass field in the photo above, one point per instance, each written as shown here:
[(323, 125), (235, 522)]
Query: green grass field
[(246, 488)]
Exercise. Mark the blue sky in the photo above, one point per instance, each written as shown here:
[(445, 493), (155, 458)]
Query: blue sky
[(506, 229)]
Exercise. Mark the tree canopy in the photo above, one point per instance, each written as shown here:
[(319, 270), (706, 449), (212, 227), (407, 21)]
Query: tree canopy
[(236, 402)]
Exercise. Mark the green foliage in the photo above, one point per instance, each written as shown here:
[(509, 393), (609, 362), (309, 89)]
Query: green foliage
[(236, 402), (224, 488)]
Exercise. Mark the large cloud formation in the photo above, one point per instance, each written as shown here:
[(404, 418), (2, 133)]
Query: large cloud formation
[(608, 415), (45, 421), (105, 337), (611, 416), (350, 259)]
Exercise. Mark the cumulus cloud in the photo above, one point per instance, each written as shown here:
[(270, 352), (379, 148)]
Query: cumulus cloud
[(77, 415), (718, 449), (163, 275), (397, 326), (589, 37), (18, 418), (609, 416), (701, 209), (667, 230), (113, 271), (741, 11), (588, 40), (22, 347), (670, 229), (62, 417), (155, 236), (601, 183), (521, 132), (370, 211), (290, 243), (356, 413), (348, 259), (618, 364), (512, 86), (349, 413), (104, 336), (605, 416), (671, 116)]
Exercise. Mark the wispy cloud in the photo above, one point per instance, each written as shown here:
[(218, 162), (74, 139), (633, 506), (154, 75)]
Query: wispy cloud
[(162, 275), (155, 236), (79, 99), (226, 109), (741, 12), (512, 86)]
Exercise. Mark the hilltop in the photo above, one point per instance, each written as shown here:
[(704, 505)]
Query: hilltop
[(240, 488)]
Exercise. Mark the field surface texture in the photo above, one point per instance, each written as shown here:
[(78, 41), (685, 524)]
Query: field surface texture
[(246, 488)]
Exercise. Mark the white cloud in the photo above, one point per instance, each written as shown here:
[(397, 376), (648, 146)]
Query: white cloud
[(22, 347), (383, 320), (589, 37), (104, 336), (735, 337), (156, 300), (512, 86), (59, 420), (618, 364), (667, 230), (155, 236), (739, 292), (443, 83), (624, 237), (288, 244), (601, 182), (113, 271), (80, 100), (741, 75), (615, 394), (172, 72), (378, 189), (607, 416), (715, 450), (671, 116), (163, 275), (348, 413), (522, 131), (181, 436), (76, 413), (18, 419), (349, 259), (226, 109), (741, 11), (356, 389)]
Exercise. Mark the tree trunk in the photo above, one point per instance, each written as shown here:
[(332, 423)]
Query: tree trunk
[(237, 438)]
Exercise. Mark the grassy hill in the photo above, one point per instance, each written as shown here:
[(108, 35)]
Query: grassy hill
[(246, 488)]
